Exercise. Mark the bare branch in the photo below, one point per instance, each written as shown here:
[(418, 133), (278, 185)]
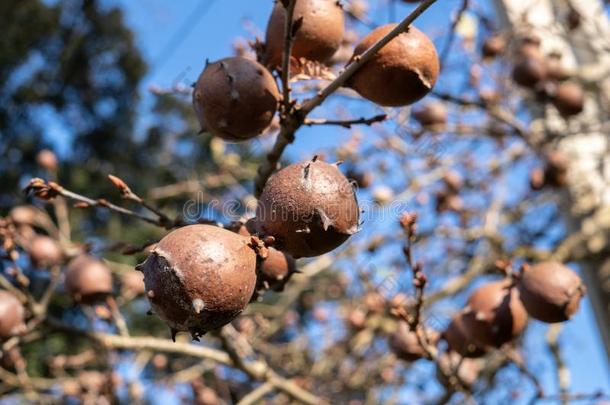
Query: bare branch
[(47, 190), (257, 394), (346, 123), (452, 31), (287, 51)]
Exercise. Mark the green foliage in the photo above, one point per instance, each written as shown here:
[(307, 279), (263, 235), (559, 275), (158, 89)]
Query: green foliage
[(73, 67)]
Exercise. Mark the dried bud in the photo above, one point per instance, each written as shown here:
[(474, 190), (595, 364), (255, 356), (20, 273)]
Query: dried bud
[(42, 189), (407, 220), (453, 181), (120, 184), (537, 179)]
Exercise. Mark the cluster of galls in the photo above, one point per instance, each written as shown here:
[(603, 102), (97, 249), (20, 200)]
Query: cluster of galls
[(200, 277), (236, 98), (87, 279), (496, 314), (544, 74)]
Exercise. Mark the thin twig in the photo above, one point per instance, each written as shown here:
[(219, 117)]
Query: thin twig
[(128, 194), (517, 361), (494, 111), (190, 373), (563, 374), (284, 138), (346, 123), (452, 32), (408, 222), (259, 369), (49, 190), (118, 318), (287, 51), (256, 394)]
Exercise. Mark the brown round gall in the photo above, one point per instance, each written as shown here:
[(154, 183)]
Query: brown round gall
[(432, 114), (199, 278), (550, 291), (493, 46), (24, 214), (310, 208), (12, 315), (88, 279), (401, 73), (494, 314), (235, 98), (460, 338), (529, 71), (276, 270), (405, 343), (45, 251), (318, 37), (569, 99)]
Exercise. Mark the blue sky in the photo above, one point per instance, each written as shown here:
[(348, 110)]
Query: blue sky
[(209, 33)]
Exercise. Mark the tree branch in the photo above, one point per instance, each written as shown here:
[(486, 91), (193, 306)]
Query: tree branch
[(287, 51), (346, 123), (47, 190)]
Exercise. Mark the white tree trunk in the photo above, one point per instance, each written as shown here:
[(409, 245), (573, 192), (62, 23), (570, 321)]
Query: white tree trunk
[(585, 139)]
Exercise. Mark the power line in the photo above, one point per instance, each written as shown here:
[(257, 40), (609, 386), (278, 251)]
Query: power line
[(182, 33)]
